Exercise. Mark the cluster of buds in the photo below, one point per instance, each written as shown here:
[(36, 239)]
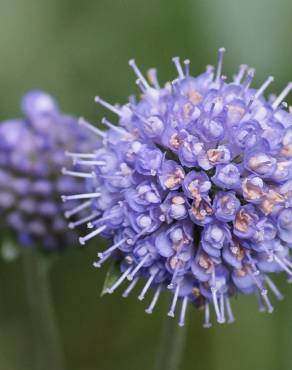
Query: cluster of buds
[(31, 159), (194, 188)]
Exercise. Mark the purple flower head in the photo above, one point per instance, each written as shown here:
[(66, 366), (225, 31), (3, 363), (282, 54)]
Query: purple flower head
[(32, 156), (198, 173)]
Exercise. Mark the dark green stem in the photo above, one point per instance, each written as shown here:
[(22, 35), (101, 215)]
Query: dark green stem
[(171, 346), (46, 342)]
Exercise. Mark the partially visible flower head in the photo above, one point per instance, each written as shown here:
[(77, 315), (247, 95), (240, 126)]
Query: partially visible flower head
[(194, 187), (31, 158)]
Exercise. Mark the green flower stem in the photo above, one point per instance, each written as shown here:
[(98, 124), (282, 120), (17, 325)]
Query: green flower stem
[(46, 342), (171, 346)]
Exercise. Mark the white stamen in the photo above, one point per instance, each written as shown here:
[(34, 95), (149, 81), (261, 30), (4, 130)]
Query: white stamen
[(77, 209), (80, 155), (113, 127), (83, 239), (222, 308), (183, 311), (215, 303), (231, 318), (130, 287), (214, 297), (256, 280), (139, 83), (112, 248), (288, 263), (242, 69), (171, 284), (269, 254), (178, 67), (142, 232), (210, 69), (98, 264), (142, 118), (187, 67), (221, 52), (152, 77), (89, 163), (260, 91), (174, 85), (137, 268), (83, 220), (119, 281), (273, 288), (174, 301), (107, 105), (66, 172), (138, 73), (248, 79), (251, 261), (282, 96), (111, 177), (80, 196), (267, 301), (284, 105), (262, 307), (282, 264), (90, 127), (207, 323), (91, 225), (154, 300), (147, 286)]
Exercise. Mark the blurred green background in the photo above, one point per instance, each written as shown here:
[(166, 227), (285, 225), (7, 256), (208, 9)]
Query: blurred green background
[(75, 50)]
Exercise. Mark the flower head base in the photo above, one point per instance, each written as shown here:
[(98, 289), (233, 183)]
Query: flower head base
[(31, 158), (194, 187)]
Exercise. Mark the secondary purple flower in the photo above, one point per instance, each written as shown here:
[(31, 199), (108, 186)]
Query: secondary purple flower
[(31, 159), (199, 175)]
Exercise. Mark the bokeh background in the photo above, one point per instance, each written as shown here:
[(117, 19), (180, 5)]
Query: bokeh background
[(75, 50)]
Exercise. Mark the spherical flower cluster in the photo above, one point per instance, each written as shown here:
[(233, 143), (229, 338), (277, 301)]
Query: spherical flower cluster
[(194, 187), (31, 158)]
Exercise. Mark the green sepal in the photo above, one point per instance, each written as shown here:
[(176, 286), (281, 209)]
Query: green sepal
[(112, 275)]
